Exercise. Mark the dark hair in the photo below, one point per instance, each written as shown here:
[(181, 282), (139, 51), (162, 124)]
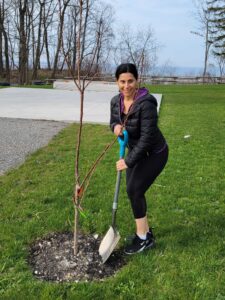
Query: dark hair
[(126, 68)]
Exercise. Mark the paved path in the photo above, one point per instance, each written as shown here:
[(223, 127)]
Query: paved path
[(20, 137), (57, 105), (27, 117)]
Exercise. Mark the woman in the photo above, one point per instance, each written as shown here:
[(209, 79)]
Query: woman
[(136, 111)]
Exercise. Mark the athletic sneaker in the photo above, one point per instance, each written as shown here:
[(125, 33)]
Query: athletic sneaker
[(138, 245)]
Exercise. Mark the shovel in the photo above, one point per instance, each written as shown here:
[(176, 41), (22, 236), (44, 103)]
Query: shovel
[(112, 236)]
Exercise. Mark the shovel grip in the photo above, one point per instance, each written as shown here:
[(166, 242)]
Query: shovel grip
[(123, 140)]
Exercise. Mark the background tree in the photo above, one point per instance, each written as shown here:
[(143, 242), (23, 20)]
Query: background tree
[(23, 54), (217, 21), (39, 44), (2, 13), (4, 51), (103, 19), (166, 69), (62, 6), (221, 64), (204, 30), (138, 47), (48, 15)]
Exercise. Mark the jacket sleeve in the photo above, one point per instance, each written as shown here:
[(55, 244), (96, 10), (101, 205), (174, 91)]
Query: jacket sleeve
[(114, 113), (148, 130)]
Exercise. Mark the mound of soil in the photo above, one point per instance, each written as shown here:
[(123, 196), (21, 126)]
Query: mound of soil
[(52, 259)]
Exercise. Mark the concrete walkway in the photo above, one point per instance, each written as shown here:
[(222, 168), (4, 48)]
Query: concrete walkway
[(27, 116), (58, 105)]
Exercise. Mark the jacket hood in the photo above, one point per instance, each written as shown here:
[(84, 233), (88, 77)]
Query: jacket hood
[(141, 93), (150, 98)]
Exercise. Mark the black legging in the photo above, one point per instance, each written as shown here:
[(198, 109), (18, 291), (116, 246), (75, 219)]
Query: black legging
[(140, 178)]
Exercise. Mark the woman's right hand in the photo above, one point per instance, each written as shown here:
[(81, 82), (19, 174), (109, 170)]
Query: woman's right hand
[(118, 130)]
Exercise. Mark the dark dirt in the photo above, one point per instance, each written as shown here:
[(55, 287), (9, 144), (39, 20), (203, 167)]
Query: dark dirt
[(52, 259)]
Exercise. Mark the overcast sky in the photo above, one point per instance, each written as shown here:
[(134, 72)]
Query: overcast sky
[(172, 21)]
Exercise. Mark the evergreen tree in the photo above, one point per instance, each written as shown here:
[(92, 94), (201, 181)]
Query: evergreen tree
[(217, 10)]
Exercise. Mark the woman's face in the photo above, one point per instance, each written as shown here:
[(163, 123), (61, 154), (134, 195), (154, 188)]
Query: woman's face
[(127, 84)]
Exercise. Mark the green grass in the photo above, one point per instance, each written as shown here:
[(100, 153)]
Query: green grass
[(45, 86), (186, 207), (34, 86)]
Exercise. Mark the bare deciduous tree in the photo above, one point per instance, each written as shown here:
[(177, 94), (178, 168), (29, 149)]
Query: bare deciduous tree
[(31, 35), (85, 67), (204, 31), (62, 6), (138, 47), (103, 19), (23, 57), (39, 39), (2, 13), (221, 64), (4, 52), (48, 14)]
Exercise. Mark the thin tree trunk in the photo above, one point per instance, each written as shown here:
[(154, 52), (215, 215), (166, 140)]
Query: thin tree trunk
[(47, 48), (99, 46), (76, 190), (1, 52), (55, 65), (84, 30), (76, 229), (7, 66), (47, 20), (28, 19), (74, 56), (60, 33), (11, 52), (38, 49), (22, 44), (33, 43), (84, 63), (1, 35), (207, 46)]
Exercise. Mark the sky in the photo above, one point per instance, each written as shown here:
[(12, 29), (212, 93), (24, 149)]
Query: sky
[(172, 22)]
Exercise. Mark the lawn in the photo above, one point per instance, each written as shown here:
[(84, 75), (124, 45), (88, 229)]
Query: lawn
[(186, 207), (36, 86), (33, 86)]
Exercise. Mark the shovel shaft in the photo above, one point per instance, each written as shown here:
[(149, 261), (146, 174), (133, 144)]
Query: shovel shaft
[(112, 236), (123, 140), (116, 196)]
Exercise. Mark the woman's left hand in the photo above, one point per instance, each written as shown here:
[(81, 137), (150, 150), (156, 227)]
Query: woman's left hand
[(121, 165)]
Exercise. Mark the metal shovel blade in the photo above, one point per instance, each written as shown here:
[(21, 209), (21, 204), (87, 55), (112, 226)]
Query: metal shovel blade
[(108, 243)]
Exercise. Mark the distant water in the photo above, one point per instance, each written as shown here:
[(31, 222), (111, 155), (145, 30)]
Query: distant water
[(184, 71)]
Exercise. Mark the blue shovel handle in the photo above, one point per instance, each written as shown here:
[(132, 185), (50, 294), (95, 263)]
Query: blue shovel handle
[(123, 140)]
